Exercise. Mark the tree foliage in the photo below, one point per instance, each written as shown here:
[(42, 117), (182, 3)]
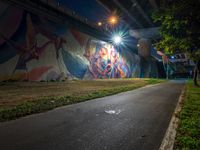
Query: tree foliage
[(179, 27)]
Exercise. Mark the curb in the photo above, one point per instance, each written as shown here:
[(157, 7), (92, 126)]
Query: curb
[(169, 138)]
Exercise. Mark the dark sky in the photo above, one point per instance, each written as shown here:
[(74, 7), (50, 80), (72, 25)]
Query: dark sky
[(89, 9)]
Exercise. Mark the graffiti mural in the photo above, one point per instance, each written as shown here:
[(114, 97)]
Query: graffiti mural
[(34, 48), (24, 48), (105, 61)]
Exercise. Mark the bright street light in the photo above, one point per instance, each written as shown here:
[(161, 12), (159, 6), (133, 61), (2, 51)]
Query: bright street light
[(113, 20), (99, 23), (117, 39)]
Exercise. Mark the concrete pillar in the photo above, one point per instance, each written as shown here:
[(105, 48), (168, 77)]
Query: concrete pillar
[(144, 51), (144, 47)]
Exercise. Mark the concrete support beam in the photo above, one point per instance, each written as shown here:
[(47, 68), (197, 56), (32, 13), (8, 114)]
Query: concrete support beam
[(59, 15), (139, 8), (127, 13), (153, 4)]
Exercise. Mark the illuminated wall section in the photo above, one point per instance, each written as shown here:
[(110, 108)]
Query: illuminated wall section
[(34, 48)]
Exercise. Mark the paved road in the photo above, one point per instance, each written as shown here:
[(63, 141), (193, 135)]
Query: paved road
[(134, 120)]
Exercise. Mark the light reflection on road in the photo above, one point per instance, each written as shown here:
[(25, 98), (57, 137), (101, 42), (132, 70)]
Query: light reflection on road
[(118, 111)]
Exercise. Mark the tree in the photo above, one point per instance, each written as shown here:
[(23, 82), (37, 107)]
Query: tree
[(180, 29)]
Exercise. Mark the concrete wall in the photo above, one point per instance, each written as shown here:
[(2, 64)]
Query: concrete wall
[(35, 48)]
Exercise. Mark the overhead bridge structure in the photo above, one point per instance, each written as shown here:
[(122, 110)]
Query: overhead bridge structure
[(41, 40)]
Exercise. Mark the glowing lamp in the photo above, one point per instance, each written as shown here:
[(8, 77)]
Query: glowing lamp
[(117, 39), (113, 20), (99, 23)]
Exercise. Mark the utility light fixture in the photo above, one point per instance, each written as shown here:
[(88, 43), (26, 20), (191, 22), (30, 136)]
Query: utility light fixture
[(99, 23), (113, 20), (117, 39)]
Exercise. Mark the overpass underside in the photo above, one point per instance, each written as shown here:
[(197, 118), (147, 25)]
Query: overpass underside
[(40, 42)]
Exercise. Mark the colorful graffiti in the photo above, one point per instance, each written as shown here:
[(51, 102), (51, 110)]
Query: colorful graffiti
[(35, 48), (105, 61), (27, 43)]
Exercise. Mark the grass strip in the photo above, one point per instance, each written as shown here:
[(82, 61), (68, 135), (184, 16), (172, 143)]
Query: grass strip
[(188, 131), (48, 103)]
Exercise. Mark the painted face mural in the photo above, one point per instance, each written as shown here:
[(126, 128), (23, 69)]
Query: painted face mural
[(105, 61)]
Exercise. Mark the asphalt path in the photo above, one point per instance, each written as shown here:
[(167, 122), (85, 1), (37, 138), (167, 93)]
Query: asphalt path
[(133, 120)]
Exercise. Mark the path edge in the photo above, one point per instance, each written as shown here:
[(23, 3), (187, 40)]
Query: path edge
[(170, 135)]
